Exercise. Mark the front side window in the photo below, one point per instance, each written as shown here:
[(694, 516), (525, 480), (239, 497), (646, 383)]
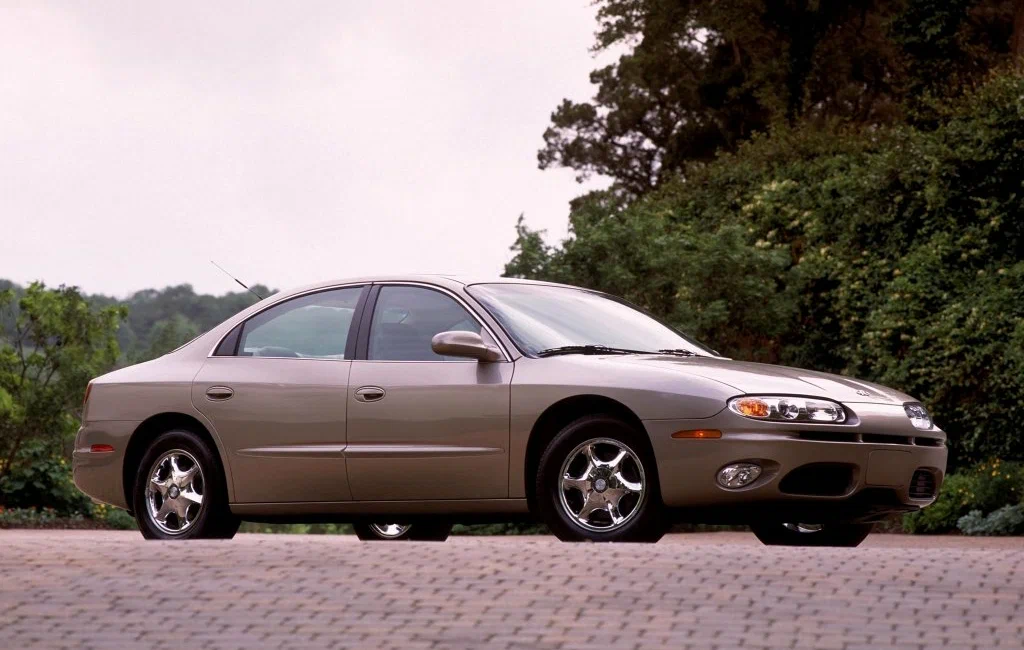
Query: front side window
[(314, 326), (540, 318), (406, 318)]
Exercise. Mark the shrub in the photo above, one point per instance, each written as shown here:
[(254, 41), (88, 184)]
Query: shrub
[(971, 494), (892, 254), (42, 479), (1008, 520)]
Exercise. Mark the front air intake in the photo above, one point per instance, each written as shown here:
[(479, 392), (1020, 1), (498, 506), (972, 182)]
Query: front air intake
[(922, 484)]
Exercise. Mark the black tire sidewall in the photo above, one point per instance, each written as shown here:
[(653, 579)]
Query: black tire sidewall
[(430, 532), (215, 520), (645, 526)]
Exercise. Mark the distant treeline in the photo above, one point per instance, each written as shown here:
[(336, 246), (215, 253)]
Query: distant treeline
[(160, 320)]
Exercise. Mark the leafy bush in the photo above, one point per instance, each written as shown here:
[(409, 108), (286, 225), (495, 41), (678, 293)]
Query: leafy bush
[(523, 528), (295, 529), (893, 254), (953, 502), (1008, 520), (111, 517), (42, 479), (50, 518), (971, 494)]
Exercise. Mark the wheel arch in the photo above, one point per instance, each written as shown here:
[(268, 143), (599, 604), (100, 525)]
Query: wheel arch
[(555, 418), (152, 427)]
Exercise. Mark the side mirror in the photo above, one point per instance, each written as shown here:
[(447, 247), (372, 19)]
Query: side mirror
[(464, 344)]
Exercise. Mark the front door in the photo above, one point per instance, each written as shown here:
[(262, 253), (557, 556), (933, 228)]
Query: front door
[(277, 399), (422, 426)]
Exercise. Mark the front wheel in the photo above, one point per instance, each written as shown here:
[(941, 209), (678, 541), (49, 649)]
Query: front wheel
[(180, 492), (419, 532), (597, 481), (838, 534)]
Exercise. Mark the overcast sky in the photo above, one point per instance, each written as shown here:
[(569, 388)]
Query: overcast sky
[(290, 142)]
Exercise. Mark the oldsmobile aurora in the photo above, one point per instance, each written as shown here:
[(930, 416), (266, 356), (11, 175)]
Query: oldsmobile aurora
[(427, 400)]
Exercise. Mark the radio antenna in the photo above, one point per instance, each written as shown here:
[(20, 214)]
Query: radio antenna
[(240, 283)]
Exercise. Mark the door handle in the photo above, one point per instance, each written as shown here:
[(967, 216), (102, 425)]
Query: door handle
[(219, 393), (370, 394)]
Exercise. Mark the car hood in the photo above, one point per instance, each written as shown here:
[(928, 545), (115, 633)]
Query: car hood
[(760, 378)]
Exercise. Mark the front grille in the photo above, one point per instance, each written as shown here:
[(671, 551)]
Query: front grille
[(922, 484), (880, 439), (819, 479), (829, 436), (871, 438)]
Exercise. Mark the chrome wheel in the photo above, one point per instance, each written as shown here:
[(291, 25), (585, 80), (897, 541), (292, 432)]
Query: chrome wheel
[(806, 529), (390, 531), (602, 485), (174, 493)]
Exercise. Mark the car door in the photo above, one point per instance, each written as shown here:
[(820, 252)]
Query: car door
[(275, 390), (422, 426)]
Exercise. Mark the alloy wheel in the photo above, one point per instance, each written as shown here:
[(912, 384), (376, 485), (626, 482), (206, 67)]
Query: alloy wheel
[(174, 492), (806, 529), (602, 485), (390, 531)]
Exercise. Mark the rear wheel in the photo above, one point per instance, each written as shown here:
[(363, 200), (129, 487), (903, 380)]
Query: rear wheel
[(597, 481), (789, 534), (420, 532), (180, 492)]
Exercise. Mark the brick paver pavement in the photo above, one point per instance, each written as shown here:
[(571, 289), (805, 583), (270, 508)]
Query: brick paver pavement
[(113, 590)]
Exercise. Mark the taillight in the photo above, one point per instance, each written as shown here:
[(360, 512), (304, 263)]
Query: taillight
[(101, 449)]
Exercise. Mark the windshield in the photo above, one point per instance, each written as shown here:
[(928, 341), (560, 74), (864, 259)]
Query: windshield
[(542, 318)]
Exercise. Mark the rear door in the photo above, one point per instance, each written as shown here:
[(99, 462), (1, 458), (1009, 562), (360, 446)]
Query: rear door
[(422, 426), (276, 389)]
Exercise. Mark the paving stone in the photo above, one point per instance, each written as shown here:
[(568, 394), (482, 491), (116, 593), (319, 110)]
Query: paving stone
[(86, 589)]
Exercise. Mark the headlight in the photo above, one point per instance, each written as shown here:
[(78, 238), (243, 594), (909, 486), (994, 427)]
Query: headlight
[(788, 409), (918, 415)]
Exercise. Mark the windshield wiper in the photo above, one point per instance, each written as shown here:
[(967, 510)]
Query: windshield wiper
[(679, 352), (588, 349)]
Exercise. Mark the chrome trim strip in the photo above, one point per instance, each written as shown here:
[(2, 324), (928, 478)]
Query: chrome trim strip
[(295, 451), (366, 451), (416, 451)]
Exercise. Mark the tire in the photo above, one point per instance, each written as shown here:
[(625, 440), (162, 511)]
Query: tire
[(838, 534), (420, 532), (583, 453), (183, 467)]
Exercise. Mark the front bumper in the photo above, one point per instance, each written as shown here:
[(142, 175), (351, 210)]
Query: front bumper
[(857, 472)]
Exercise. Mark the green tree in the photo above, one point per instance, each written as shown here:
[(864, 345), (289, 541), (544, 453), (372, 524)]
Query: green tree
[(702, 76), (165, 336), (894, 254), (58, 343)]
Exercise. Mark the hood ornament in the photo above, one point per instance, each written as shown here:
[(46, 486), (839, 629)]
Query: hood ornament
[(863, 393)]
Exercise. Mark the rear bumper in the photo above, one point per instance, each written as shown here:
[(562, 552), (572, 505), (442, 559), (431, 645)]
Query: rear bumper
[(100, 474), (860, 480)]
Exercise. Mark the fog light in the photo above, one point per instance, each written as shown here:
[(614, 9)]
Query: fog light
[(738, 475)]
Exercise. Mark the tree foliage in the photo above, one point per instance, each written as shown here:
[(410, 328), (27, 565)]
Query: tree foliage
[(158, 320), (57, 344), (894, 254), (702, 76)]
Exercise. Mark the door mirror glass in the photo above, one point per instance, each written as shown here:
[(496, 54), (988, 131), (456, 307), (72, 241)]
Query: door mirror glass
[(464, 344)]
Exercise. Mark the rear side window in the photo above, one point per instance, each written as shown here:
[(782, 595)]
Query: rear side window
[(406, 318), (314, 326)]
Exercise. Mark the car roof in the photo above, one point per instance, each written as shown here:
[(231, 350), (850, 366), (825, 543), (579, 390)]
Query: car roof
[(450, 281)]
